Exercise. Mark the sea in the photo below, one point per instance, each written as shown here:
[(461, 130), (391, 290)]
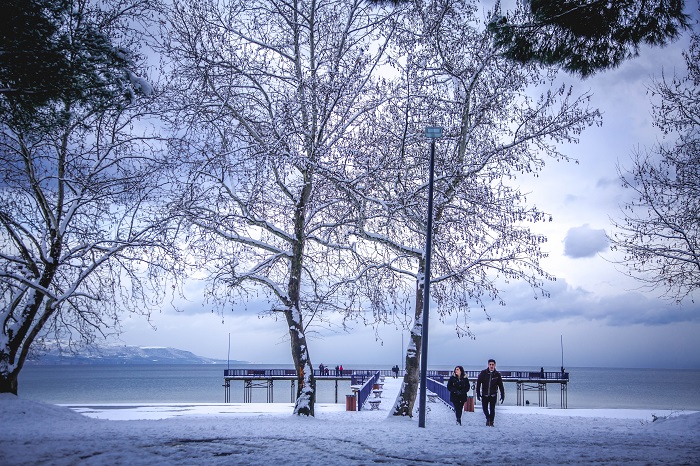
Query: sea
[(588, 387)]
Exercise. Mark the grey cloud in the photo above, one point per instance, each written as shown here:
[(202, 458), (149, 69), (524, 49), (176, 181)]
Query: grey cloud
[(584, 241), (565, 302), (636, 308), (608, 182)]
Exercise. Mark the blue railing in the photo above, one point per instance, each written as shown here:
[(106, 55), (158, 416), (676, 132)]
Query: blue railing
[(366, 389), (440, 390), (359, 378)]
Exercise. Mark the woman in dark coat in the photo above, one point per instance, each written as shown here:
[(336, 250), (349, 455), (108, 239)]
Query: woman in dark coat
[(458, 386)]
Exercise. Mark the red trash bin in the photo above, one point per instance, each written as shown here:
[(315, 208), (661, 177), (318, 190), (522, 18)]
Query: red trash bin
[(350, 403)]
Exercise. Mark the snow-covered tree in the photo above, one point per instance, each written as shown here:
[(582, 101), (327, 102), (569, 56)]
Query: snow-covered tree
[(80, 230), (269, 98), (660, 229), (496, 129)]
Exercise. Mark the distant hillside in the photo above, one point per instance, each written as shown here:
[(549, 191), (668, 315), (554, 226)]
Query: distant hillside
[(123, 354)]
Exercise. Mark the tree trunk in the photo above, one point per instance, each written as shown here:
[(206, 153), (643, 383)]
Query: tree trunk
[(8, 379), (306, 383), (8, 382), (406, 399)]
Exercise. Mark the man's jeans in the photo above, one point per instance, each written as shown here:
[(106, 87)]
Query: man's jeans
[(488, 404)]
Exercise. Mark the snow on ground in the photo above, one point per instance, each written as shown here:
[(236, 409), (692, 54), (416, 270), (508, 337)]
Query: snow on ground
[(34, 433)]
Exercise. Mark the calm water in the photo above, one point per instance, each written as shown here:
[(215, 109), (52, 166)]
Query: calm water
[(588, 387)]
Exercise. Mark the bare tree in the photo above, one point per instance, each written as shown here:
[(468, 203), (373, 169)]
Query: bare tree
[(269, 99), (494, 132), (81, 231), (659, 233)]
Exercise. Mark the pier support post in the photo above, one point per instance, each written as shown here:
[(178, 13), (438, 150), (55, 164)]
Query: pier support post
[(564, 395), (250, 384)]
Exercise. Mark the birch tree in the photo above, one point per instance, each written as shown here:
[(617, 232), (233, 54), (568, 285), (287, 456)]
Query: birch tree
[(269, 98), (81, 235), (497, 128)]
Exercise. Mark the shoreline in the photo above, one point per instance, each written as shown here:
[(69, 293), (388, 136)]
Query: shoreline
[(153, 411)]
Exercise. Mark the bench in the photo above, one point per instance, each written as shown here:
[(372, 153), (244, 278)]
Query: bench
[(377, 393), (374, 404), (432, 397)]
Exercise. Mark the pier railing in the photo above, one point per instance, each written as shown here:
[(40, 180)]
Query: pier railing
[(353, 374), (508, 376), (364, 392), (440, 376)]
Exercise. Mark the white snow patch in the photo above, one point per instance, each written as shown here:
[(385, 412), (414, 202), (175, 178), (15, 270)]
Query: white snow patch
[(264, 434)]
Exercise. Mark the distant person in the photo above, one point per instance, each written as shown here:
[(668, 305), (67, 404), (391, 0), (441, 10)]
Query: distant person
[(320, 369), (337, 370), (395, 370), (458, 386), (488, 384), (541, 372), (341, 369)]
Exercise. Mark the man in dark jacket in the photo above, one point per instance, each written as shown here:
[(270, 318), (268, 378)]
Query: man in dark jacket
[(487, 385)]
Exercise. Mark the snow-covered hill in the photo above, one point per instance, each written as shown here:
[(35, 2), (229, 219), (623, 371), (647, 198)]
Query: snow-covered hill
[(123, 354)]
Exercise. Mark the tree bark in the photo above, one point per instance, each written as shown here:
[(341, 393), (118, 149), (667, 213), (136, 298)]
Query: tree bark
[(8, 381), (406, 399), (306, 383)]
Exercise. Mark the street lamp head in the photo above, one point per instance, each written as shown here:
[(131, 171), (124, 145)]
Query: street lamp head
[(433, 132)]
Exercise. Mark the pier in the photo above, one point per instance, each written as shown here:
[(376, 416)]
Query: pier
[(264, 379)]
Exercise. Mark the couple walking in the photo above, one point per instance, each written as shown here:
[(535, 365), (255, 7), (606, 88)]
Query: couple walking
[(488, 384)]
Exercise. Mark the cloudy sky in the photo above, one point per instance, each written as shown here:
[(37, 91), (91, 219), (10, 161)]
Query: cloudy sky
[(602, 317)]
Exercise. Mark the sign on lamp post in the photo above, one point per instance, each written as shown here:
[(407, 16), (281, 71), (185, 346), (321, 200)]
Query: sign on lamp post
[(432, 133)]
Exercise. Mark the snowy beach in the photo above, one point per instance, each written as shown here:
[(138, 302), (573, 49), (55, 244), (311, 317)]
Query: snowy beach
[(259, 433)]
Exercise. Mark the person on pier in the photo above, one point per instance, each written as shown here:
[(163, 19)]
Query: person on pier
[(487, 385), (458, 386)]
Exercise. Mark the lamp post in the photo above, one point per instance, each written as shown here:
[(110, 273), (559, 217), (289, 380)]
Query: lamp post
[(432, 133)]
